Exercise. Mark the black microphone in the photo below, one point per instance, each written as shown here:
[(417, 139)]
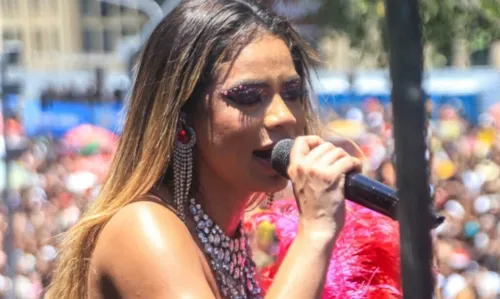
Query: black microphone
[(360, 189)]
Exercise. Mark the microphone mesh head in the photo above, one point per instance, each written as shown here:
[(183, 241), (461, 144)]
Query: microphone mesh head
[(280, 157)]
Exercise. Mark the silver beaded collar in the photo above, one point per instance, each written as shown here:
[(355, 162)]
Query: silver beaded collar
[(231, 259)]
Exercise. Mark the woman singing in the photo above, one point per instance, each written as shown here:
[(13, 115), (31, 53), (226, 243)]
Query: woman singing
[(219, 83)]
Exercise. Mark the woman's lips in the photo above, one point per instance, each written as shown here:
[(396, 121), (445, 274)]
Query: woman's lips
[(265, 163)]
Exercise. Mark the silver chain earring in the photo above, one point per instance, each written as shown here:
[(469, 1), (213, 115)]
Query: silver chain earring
[(183, 164)]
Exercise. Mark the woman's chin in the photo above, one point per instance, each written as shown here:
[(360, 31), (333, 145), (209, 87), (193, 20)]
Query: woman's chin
[(273, 184)]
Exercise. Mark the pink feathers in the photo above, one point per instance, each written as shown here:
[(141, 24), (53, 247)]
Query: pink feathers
[(365, 261)]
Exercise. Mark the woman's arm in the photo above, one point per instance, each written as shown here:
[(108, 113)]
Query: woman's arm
[(145, 251), (317, 171), (303, 271)]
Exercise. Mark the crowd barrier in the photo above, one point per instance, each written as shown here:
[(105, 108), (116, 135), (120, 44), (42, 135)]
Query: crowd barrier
[(468, 105), (60, 116)]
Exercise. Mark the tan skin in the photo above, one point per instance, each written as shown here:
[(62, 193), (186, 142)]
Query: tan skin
[(146, 251)]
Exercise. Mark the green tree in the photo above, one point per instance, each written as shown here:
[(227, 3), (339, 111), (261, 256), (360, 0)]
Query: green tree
[(444, 21), (477, 22)]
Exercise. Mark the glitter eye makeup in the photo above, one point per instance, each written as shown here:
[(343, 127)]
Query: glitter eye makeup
[(293, 91), (246, 94), (254, 93)]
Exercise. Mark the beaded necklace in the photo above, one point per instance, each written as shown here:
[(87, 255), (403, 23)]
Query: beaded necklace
[(230, 258)]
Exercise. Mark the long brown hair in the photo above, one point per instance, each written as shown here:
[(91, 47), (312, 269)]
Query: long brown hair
[(178, 62)]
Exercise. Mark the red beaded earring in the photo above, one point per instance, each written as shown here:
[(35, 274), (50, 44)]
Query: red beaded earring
[(183, 164)]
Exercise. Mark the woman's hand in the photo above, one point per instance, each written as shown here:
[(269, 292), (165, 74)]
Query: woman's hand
[(317, 170)]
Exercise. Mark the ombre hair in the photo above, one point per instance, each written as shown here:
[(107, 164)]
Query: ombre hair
[(178, 64)]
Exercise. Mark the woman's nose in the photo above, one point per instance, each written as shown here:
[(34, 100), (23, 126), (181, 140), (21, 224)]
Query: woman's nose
[(279, 115)]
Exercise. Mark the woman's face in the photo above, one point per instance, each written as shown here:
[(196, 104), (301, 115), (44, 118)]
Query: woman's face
[(255, 102)]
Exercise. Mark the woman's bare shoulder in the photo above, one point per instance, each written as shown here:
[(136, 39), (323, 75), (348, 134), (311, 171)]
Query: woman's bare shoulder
[(152, 224), (146, 251)]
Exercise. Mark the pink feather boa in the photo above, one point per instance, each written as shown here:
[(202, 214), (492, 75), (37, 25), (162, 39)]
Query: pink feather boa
[(365, 261)]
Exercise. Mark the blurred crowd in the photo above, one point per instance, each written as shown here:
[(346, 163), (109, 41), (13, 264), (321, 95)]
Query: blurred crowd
[(464, 164), (51, 182), (466, 177)]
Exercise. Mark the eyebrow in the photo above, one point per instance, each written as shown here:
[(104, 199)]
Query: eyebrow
[(255, 83), (292, 80), (263, 83)]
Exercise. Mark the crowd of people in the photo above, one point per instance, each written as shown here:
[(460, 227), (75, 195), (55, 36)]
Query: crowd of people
[(51, 183), (466, 176)]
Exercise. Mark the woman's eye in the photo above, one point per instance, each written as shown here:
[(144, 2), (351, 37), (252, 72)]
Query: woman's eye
[(293, 94), (245, 95), (293, 91)]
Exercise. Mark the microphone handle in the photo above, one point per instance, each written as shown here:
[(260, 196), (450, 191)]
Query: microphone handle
[(371, 194)]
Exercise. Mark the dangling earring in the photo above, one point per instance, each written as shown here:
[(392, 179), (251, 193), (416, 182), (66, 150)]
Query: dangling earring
[(183, 164), (269, 201)]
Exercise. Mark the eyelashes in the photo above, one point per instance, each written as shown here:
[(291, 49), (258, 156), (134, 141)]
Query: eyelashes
[(245, 94), (293, 94), (251, 94)]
